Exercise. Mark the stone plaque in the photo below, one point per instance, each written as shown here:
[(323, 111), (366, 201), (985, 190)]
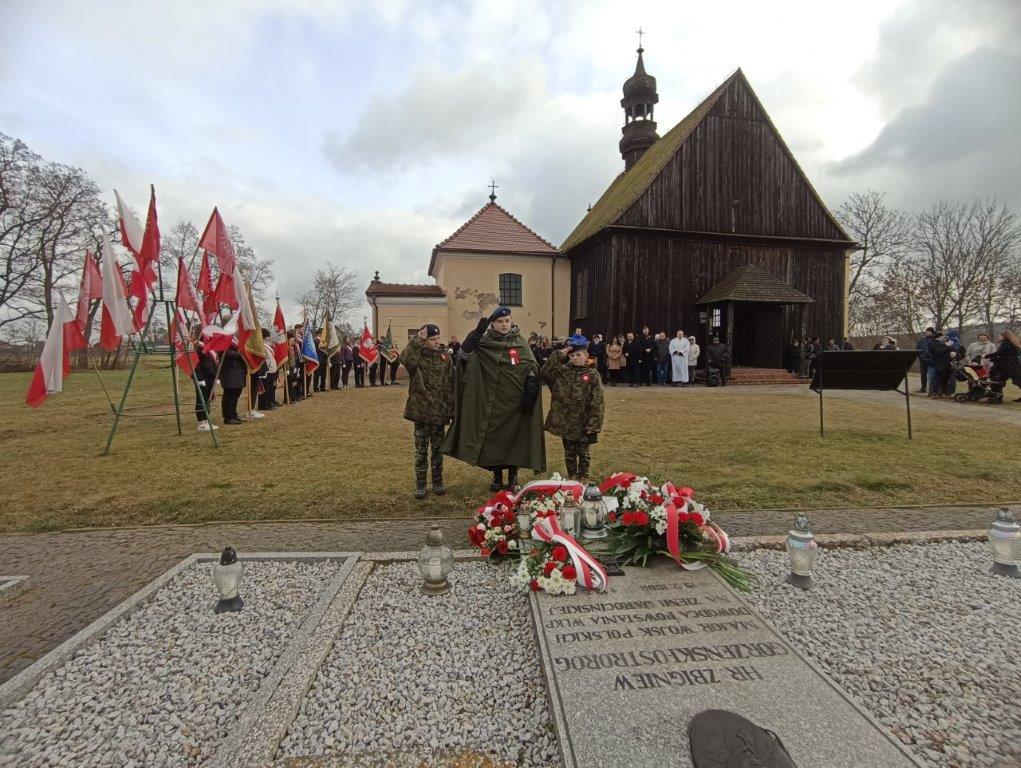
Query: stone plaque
[(629, 668)]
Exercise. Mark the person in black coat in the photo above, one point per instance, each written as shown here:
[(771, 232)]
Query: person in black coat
[(648, 357), (633, 357), (359, 364), (940, 356), (1006, 365), (597, 349), (205, 373), (320, 372), (233, 374)]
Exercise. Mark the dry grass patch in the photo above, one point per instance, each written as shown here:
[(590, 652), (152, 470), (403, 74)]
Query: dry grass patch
[(348, 455)]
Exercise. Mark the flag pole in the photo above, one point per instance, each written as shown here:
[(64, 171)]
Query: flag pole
[(119, 411)]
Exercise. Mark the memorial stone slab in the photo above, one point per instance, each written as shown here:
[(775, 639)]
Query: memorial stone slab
[(629, 668)]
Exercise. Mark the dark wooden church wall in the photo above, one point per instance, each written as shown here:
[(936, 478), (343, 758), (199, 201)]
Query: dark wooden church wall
[(733, 154), (634, 280)]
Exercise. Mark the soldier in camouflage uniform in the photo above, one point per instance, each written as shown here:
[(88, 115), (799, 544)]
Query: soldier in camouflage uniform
[(430, 402), (576, 410)]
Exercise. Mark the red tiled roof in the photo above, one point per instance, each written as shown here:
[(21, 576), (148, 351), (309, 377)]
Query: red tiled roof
[(494, 230), (377, 288)]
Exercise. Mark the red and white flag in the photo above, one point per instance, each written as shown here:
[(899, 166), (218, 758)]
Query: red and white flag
[(91, 289), (280, 346), (117, 321), (187, 297), (53, 364), (216, 240), (131, 230), (144, 245), (367, 348), (217, 337)]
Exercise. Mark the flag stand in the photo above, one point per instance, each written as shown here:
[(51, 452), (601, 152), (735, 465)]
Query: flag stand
[(170, 308)]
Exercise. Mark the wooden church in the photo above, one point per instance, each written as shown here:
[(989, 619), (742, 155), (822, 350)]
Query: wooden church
[(712, 228)]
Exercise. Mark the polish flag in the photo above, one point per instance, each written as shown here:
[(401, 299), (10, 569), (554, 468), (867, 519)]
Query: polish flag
[(280, 336), (187, 358), (187, 297), (117, 320), (218, 338), (144, 245), (250, 343), (131, 230), (90, 290), (216, 240), (53, 364)]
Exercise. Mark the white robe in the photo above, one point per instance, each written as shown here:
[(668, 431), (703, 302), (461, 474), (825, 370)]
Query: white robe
[(679, 359)]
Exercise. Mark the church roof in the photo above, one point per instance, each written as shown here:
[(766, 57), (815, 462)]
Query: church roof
[(494, 230), (378, 288), (631, 184), (751, 283)]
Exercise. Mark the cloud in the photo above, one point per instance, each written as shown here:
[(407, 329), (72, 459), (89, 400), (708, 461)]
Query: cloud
[(438, 114), (959, 141)]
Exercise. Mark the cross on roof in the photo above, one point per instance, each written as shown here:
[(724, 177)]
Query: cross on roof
[(640, 33), (492, 190)]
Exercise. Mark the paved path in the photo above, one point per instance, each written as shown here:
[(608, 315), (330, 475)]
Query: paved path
[(77, 576)]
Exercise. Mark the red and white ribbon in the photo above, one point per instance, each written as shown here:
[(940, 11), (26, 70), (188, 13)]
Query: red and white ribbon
[(549, 487), (502, 501), (591, 574), (620, 479)]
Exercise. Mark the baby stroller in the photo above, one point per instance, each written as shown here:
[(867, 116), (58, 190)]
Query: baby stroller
[(980, 388)]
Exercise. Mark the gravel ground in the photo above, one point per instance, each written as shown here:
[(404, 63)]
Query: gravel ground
[(923, 635), (164, 686), (417, 679)]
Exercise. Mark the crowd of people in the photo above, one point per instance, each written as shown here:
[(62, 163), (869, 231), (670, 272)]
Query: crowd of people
[(644, 359), (333, 371), (938, 351)]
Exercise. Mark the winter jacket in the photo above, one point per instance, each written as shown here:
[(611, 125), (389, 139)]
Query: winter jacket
[(233, 371), (662, 350), (576, 406), (431, 383)]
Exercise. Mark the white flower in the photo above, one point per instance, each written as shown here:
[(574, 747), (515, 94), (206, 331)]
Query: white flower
[(481, 526), (508, 528), (512, 544)]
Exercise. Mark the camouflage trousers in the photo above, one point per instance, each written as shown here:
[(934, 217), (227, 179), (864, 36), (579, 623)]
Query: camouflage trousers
[(576, 456), (427, 452)]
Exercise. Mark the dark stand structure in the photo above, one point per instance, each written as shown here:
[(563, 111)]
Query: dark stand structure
[(878, 370)]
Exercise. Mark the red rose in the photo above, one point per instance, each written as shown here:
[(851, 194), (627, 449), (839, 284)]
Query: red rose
[(501, 547), (560, 553), (656, 499), (697, 519), (486, 552), (533, 585), (687, 492), (475, 536), (641, 518), (548, 568), (683, 517), (569, 572), (612, 517)]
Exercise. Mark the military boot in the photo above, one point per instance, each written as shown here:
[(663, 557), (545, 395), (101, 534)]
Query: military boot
[(438, 487), (497, 483), (512, 480), (420, 491)]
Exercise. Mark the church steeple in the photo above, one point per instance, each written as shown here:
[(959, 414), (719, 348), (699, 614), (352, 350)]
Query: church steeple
[(640, 98)]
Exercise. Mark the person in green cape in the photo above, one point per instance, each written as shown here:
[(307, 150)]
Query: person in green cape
[(498, 406)]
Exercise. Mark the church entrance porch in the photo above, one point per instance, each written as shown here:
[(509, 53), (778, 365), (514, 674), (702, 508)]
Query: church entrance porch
[(755, 314)]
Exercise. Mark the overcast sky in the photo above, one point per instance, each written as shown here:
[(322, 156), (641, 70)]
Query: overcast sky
[(365, 133)]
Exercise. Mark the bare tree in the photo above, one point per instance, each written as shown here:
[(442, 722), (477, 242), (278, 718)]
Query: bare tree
[(20, 215), (884, 234), (963, 248), (333, 290), (256, 270)]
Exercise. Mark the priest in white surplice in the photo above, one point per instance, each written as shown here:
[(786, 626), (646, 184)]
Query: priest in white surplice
[(679, 359)]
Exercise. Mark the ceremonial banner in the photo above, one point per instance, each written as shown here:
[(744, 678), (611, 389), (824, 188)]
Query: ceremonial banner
[(279, 338), (367, 348), (308, 351)]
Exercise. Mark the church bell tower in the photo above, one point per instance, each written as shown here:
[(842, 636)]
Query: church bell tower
[(639, 101)]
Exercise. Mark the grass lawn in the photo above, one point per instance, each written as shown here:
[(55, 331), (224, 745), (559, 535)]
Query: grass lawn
[(348, 455)]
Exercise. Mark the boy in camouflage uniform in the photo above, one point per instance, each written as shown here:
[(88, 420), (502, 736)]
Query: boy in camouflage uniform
[(430, 402), (576, 410)]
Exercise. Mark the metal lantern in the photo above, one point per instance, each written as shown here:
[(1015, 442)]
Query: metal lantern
[(1004, 541), (435, 561), (593, 514), (802, 550)]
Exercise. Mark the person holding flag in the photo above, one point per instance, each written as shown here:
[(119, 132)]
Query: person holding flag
[(369, 354), (389, 358), (309, 357)]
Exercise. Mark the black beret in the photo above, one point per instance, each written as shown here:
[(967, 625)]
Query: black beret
[(500, 312), (432, 330)]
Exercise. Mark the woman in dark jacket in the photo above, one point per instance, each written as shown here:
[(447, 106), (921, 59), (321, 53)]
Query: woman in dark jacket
[(205, 373), (1006, 366), (940, 355), (233, 374)]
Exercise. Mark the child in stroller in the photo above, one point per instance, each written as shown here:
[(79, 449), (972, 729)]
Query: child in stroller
[(980, 388)]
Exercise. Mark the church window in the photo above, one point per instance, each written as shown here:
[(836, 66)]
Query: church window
[(510, 289), (581, 293), (716, 318)]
